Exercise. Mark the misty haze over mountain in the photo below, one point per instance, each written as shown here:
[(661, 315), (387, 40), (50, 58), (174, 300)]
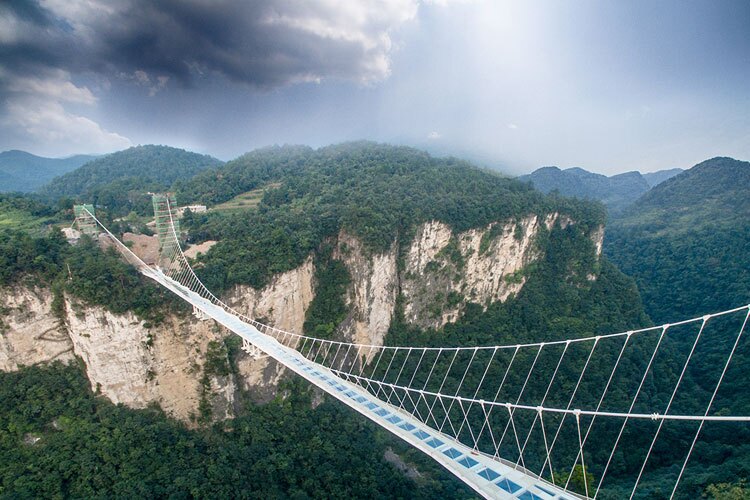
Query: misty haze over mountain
[(610, 87)]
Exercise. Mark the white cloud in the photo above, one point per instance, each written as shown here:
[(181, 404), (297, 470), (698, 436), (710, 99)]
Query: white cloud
[(143, 79), (34, 116), (48, 123), (358, 23), (57, 87), (433, 136), (513, 126)]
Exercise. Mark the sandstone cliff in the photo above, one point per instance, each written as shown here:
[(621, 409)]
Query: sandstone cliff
[(447, 270), (29, 332), (136, 364)]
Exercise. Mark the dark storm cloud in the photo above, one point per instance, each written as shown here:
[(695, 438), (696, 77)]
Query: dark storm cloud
[(27, 10), (261, 43), (58, 57)]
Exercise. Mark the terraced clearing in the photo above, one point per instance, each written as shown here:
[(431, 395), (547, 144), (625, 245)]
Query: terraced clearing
[(244, 201), (20, 220)]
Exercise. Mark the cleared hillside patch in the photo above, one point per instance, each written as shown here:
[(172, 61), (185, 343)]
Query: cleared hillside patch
[(244, 201)]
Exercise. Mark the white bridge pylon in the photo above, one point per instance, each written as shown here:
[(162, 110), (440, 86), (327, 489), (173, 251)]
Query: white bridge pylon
[(528, 421)]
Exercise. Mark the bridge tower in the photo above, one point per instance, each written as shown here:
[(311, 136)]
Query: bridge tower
[(167, 227), (85, 219), (165, 213)]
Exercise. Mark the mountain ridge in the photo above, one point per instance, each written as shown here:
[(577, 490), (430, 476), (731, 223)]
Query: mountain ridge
[(684, 241), (121, 180), (654, 178), (616, 191)]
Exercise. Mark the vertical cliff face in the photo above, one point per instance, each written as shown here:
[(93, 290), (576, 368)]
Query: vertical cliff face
[(445, 270), (125, 361), (135, 365), (437, 273), (597, 236), (442, 272), (371, 296), (29, 332), (282, 304)]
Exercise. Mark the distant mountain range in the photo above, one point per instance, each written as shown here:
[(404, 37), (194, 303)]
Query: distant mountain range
[(25, 172), (660, 176), (617, 191)]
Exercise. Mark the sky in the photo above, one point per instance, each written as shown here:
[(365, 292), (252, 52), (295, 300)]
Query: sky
[(609, 86)]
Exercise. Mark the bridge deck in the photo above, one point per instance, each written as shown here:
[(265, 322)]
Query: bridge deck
[(489, 477)]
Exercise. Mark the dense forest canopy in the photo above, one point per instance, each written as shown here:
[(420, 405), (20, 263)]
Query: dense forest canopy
[(688, 230), (685, 241), (376, 192), (58, 440), (120, 181)]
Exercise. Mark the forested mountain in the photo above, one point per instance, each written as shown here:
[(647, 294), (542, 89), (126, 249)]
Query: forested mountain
[(378, 193), (617, 191), (654, 178), (318, 207), (25, 172), (686, 244), (120, 181), (686, 241)]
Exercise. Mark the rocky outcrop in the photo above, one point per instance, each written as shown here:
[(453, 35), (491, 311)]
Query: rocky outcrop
[(281, 304), (446, 270), (597, 236), (442, 272), (371, 297), (125, 360), (29, 332), (436, 273), (135, 365)]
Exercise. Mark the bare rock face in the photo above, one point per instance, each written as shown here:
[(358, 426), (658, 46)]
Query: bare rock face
[(135, 365), (430, 239), (125, 361), (281, 304), (447, 270), (443, 271), (115, 352), (371, 297), (597, 236), (29, 332), (259, 377)]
